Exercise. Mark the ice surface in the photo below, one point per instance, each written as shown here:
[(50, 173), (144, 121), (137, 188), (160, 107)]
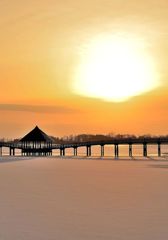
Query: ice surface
[(83, 199)]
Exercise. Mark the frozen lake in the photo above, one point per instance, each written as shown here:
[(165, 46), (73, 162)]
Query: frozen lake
[(79, 199)]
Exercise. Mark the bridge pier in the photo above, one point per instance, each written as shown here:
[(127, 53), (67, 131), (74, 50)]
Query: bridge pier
[(159, 150), (116, 151), (89, 151), (102, 150), (145, 151), (130, 150), (62, 151), (12, 151), (75, 151)]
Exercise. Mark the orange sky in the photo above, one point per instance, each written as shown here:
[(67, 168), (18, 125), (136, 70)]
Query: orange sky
[(40, 47)]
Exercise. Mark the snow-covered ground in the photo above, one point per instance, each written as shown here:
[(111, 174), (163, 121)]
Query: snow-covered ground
[(83, 199)]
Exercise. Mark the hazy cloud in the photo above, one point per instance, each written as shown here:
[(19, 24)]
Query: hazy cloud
[(37, 108)]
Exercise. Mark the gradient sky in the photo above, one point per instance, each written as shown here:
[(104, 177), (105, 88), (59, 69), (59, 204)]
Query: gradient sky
[(40, 46)]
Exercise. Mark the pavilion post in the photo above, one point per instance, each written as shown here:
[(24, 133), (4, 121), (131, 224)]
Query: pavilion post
[(10, 151)]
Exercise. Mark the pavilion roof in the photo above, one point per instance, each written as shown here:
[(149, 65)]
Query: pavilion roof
[(36, 135)]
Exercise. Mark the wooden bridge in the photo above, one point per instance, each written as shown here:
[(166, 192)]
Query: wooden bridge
[(45, 149)]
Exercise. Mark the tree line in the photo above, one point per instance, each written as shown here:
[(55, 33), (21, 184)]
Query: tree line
[(101, 137), (93, 137)]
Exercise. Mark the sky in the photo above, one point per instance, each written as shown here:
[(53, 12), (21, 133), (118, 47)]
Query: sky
[(42, 44)]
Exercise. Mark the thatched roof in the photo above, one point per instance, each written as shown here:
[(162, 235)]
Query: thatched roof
[(36, 135)]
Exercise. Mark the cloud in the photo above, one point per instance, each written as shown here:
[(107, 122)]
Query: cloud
[(37, 108)]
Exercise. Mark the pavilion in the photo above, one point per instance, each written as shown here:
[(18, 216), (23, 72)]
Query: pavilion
[(36, 143)]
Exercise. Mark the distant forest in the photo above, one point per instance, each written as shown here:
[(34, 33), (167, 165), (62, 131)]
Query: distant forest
[(100, 137)]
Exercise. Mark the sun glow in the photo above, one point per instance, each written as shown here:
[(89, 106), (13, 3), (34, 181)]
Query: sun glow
[(115, 68)]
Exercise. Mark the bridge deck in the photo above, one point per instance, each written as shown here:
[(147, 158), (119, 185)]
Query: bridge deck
[(115, 141)]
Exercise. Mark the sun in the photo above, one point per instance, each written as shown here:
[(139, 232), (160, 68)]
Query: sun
[(115, 68)]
